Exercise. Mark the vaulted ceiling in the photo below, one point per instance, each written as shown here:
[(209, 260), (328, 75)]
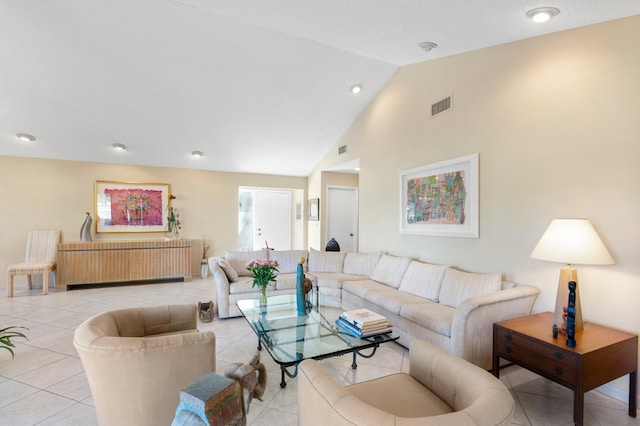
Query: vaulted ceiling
[(258, 86)]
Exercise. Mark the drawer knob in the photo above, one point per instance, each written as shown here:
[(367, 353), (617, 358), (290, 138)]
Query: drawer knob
[(508, 349), (508, 336), (559, 371), (559, 355)]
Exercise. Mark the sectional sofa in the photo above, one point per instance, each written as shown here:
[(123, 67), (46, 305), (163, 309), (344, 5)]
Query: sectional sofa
[(442, 305)]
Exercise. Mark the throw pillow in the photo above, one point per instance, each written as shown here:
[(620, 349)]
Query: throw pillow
[(459, 286), (326, 261), (423, 279), (361, 263), (390, 270), (231, 273), (238, 260)]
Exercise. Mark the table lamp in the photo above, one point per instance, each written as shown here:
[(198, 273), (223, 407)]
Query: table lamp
[(571, 241)]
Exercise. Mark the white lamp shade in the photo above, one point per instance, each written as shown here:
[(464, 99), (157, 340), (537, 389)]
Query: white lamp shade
[(572, 241)]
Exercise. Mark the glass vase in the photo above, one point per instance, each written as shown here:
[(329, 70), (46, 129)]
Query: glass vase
[(263, 296), (204, 268)]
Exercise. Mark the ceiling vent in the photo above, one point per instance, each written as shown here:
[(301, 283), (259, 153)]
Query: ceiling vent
[(442, 106), (342, 149)]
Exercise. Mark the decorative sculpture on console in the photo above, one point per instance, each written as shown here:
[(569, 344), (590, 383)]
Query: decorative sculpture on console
[(85, 230)]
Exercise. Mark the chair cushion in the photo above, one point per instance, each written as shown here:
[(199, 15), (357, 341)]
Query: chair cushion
[(239, 259), (459, 286), (423, 279), (401, 395), (361, 263), (231, 273), (31, 268), (390, 269), (326, 261)]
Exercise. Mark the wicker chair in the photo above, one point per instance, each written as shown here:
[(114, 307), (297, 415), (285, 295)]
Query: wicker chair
[(40, 259)]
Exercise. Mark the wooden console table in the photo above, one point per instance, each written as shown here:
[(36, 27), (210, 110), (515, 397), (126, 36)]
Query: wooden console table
[(601, 354), (81, 263)]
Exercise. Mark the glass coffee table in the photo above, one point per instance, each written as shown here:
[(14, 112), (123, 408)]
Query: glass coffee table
[(290, 338)]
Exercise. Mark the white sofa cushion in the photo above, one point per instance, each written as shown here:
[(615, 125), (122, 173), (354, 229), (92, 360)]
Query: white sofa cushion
[(287, 259), (361, 263), (459, 286), (326, 261), (238, 260), (231, 273), (423, 279), (390, 269)]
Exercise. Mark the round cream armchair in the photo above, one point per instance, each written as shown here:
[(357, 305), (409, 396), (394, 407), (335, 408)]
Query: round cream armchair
[(440, 389), (138, 359)]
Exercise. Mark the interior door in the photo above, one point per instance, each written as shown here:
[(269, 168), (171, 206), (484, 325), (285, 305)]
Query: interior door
[(342, 217), (272, 220)]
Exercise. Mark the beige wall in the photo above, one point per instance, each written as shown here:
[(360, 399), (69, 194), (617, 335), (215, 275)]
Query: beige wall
[(556, 123), (54, 194)]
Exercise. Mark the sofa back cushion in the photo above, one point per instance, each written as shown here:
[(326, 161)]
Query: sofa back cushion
[(287, 259), (459, 286), (326, 261), (238, 260), (361, 263), (390, 269), (423, 279)]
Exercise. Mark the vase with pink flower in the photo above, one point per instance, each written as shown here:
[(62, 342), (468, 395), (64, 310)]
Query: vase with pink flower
[(264, 272)]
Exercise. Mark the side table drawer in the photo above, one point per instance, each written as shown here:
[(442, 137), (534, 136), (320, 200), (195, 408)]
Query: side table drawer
[(555, 363)]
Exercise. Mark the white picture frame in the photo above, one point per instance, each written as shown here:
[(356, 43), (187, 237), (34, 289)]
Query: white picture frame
[(441, 199)]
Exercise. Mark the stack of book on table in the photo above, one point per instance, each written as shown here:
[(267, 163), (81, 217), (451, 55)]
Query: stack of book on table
[(363, 323)]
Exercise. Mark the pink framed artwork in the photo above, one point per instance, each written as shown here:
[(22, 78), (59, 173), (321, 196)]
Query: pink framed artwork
[(122, 207)]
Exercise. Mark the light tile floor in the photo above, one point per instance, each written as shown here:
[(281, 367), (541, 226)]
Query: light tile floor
[(45, 384)]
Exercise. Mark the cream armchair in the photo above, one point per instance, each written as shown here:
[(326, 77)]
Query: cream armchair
[(440, 389), (137, 360)]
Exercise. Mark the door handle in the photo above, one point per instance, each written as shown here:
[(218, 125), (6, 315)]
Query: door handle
[(351, 235)]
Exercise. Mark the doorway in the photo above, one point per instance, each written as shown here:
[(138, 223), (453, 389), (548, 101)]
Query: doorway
[(264, 217), (342, 216)]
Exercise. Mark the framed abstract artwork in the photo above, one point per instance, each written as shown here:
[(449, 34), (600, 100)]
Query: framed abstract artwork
[(314, 209), (122, 207), (441, 199)]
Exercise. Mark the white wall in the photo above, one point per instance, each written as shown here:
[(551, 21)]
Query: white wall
[(556, 123)]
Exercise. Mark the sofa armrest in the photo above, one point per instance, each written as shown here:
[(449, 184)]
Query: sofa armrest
[(472, 327), (222, 289)]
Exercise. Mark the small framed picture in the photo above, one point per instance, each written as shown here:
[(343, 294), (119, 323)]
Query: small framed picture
[(314, 209)]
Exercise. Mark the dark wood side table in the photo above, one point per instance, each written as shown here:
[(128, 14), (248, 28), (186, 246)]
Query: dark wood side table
[(601, 354)]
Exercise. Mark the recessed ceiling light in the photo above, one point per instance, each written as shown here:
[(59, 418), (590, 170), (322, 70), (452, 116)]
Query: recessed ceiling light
[(356, 88), (197, 153), (542, 14), (25, 137), (427, 46), (119, 147)]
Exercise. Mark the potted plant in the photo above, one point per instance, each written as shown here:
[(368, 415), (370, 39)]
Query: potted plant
[(264, 272), (8, 333)]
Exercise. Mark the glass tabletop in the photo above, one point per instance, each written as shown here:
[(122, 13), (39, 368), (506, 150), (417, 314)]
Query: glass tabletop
[(290, 338)]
